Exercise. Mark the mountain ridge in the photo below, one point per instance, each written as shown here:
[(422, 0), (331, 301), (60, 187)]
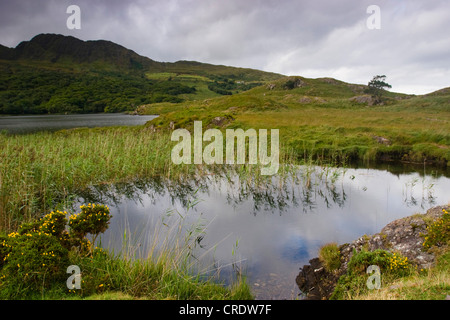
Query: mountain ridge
[(55, 48), (53, 73)]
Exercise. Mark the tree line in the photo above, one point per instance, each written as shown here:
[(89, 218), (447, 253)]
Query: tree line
[(29, 90)]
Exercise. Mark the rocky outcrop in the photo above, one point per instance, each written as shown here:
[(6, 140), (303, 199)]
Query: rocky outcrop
[(382, 140), (307, 100), (315, 282), (220, 121), (403, 236), (364, 99)]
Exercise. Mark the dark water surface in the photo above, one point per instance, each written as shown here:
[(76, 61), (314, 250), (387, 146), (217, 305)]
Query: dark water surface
[(35, 123), (271, 230)]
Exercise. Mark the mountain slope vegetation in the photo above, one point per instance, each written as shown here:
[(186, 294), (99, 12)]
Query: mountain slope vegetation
[(327, 120), (61, 74), (318, 118)]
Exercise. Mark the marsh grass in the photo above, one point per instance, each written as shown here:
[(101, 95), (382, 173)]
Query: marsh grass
[(329, 255), (320, 121), (41, 170), (45, 171)]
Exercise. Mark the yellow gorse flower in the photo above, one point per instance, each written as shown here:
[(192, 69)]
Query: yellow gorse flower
[(397, 262)]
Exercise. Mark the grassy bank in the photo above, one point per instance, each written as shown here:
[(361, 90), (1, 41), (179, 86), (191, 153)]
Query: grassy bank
[(323, 119), (431, 284)]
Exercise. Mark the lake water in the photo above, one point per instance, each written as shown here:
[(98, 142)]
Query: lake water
[(271, 230), (34, 123)]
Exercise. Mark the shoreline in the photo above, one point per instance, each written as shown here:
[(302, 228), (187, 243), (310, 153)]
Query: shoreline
[(402, 236)]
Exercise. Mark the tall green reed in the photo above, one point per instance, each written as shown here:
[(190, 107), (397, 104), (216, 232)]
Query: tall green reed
[(39, 171)]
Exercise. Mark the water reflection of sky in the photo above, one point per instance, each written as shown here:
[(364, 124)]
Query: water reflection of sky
[(273, 244)]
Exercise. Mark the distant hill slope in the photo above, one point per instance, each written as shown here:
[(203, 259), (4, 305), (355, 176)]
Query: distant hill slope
[(54, 73), (326, 120), (440, 92), (56, 48)]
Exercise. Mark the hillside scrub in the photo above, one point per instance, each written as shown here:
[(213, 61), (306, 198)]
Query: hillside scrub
[(319, 120), (53, 73)]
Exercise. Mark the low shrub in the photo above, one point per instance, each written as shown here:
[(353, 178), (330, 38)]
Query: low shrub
[(37, 256), (330, 256), (93, 219), (438, 233), (35, 261), (360, 261), (354, 282)]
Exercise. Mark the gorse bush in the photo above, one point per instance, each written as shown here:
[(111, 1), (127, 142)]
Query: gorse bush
[(38, 254), (93, 219), (388, 262), (398, 263), (34, 261), (392, 266), (53, 224), (438, 233)]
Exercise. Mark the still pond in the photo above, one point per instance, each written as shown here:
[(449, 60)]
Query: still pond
[(267, 231)]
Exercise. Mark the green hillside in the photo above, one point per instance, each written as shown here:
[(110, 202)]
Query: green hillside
[(318, 118), (61, 74), (326, 119)]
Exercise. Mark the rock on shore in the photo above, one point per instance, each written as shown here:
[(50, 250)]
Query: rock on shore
[(402, 235)]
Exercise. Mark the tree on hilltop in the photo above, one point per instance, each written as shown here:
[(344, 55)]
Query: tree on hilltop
[(376, 88)]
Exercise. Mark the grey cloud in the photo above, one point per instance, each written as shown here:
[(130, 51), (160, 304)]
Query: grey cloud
[(311, 37)]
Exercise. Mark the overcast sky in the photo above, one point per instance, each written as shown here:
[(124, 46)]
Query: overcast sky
[(310, 38)]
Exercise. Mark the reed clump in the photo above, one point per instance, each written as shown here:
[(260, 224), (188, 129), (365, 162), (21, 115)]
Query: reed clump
[(46, 170), (43, 170)]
